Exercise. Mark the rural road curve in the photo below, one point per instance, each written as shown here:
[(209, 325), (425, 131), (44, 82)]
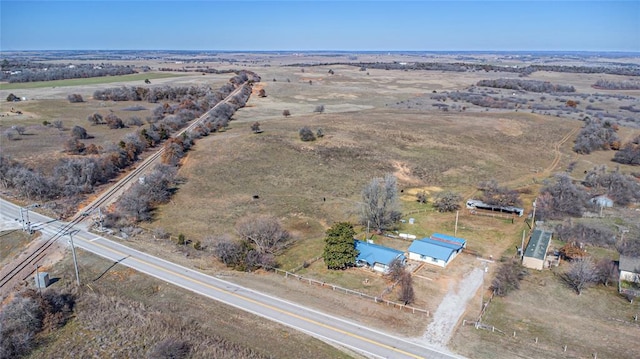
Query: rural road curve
[(341, 332)]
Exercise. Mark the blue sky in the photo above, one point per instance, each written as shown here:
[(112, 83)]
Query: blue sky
[(321, 25)]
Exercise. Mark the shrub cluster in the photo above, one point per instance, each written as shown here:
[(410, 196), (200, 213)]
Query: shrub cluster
[(261, 237), (596, 135), (629, 154), (28, 314), (508, 277), (561, 198), (494, 194), (75, 98), (447, 201), (526, 85), (590, 234), (622, 188)]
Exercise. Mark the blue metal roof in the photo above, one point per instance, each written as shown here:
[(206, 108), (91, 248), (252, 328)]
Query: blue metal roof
[(454, 246), (373, 253), (431, 248), (449, 238)]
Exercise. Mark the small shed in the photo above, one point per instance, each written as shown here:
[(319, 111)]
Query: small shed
[(432, 251), (629, 268), (602, 201), (376, 257), (42, 279), (535, 253)]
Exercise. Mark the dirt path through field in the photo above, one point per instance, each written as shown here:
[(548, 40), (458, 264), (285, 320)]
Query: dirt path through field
[(452, 308)]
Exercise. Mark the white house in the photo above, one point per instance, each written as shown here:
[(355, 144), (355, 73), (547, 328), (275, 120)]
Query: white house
[(433, 251), (629, 268)]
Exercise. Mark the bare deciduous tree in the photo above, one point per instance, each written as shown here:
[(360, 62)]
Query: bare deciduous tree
[(75, 98), (407, 294), (447, 201), (421, 197), (380, 202), (581, 273), (95, 119), (396, 269), (255, 127), (508, 278), (79, 132), (113, 121), (264, 232), (607, 272), (561, 198), (494, 194)]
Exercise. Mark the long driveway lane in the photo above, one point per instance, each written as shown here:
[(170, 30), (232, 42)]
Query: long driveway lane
[(361, 339)]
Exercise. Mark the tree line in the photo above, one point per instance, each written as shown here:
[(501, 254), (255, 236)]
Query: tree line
[(617, 85), (526, 85), (628, 70), (15, 71)]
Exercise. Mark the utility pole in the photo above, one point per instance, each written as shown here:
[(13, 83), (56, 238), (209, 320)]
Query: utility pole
[(38, 280), (75, 261), (100, 217), (455, 231), (533, 219)]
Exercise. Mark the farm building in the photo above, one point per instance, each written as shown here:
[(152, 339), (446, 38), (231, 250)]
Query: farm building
[(474, 204), (535, 253), (434, 251), (375, 256), (629, 268)]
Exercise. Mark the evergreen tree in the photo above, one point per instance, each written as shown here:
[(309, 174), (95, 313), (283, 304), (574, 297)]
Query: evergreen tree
[(339, 248)]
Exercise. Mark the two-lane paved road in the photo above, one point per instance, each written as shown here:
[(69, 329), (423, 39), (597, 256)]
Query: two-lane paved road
[(328, 328)]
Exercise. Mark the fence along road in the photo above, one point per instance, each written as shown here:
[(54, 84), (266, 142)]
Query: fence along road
[(359, 338)]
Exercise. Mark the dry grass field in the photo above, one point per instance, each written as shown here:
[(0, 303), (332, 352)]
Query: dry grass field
[(236, 174), (123, 313)]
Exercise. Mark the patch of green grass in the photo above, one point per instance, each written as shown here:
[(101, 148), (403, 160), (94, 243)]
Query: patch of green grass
[(87, 81)]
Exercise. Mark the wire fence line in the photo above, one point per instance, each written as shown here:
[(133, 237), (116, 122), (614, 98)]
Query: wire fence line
[(336, 288)]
